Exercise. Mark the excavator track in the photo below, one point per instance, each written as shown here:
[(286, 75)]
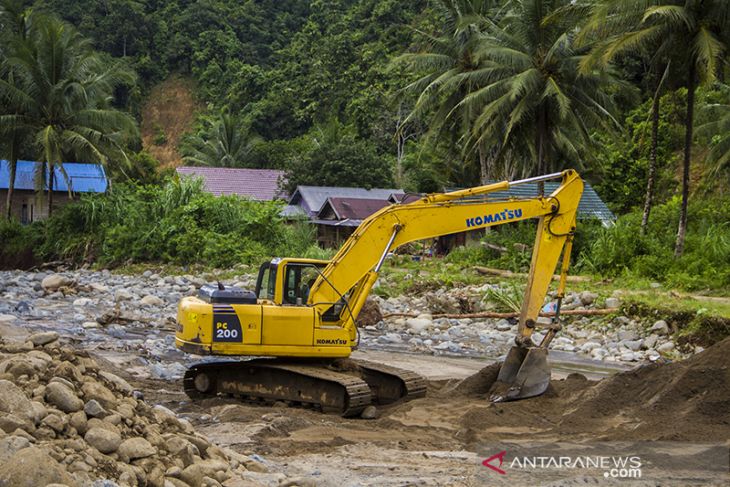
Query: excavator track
[(266, 380), (345, 388), (390, 384)]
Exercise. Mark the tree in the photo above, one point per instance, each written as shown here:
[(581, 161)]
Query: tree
[(534, 92), (717, 130), (448, 70), (225, 142), (15, 21), (694, 34), (337, 157), (61, 95)]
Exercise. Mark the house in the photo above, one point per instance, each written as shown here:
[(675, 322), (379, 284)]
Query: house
[(307, 201), (26, 207), (255, 184), (339, 217), (337, 211), (590, 206)]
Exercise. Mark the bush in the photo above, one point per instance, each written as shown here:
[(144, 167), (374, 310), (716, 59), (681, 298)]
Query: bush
[(177, 223)]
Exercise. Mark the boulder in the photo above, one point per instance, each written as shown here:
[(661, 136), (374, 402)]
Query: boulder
[(13, 400), (370, 412), (665, 347), (94, 409), (31, 467), (63, 397), (10, 445), (43, 338), (55, 281), (151, 300), (135, 448), (83, 302), (660, 328), (55, 422), (369, 314), (78, 421), (94, 390), (417, 325), (587, 298), (119, 384), (10, 423), (122, 295), (613, 303), (104, 440)]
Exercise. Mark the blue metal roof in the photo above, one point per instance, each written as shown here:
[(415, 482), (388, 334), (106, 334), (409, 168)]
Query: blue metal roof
[(82, 177), (590, 206)]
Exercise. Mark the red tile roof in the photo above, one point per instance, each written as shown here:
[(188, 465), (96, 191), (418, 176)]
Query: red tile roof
[(257, 184)]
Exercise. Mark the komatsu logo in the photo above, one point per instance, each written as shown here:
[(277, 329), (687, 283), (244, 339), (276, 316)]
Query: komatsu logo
[(493, 218), (329, 341)]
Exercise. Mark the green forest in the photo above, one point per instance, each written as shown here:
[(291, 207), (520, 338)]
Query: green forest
[(420, 95)]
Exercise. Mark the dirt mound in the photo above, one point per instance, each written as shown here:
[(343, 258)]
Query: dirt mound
[(688, 400), (683, 401)]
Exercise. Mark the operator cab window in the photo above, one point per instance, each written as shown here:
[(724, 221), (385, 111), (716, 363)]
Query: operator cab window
[(298, 282), (266, 282)]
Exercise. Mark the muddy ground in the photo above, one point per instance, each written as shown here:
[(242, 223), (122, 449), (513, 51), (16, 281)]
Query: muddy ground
[(441, 439)]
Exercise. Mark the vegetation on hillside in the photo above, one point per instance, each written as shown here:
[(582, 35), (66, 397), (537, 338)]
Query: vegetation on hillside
[(422, 95)]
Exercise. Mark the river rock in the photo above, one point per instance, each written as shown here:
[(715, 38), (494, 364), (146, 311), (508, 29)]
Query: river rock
[(613, 303), (660, 328), (43, 338), (120, 384), (665, 347), (134, 448), (628, 335), (94, 409), (55, 281), (32, 467), (63, 397), (417, 325), (587, 298), (11, 444), (104, 440), (94, 390), (13, 400), (83, 302), (151, 300), (122, 295), (7, 318)]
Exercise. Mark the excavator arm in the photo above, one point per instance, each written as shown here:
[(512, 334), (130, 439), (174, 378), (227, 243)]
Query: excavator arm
[(352, 272)]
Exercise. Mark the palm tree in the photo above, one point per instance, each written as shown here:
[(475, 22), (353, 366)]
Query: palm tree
[(60, 96), (228, 142), (15, 21), (533, 92), (718, 130), (694, 34), (448, 71)]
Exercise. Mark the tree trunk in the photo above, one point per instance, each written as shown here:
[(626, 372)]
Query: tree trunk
[(652, 163), (51, 168), (541, 136), (689, 128), (13, 167), (483, 165)]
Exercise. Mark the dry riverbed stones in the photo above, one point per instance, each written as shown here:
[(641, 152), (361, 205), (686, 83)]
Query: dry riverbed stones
[(65, 422)]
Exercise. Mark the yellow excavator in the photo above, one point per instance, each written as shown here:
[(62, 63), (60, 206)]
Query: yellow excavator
[(299, 326)]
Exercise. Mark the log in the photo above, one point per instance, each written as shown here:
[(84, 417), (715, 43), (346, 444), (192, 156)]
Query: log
[(503, 273), (491, 314)]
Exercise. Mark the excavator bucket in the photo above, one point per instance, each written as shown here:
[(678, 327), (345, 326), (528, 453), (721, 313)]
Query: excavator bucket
[(524, 373)]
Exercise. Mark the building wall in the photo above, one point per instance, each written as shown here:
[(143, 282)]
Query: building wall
[(27, 207)]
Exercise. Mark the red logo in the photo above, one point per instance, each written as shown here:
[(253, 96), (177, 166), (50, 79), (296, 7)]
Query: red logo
[(499, 455)]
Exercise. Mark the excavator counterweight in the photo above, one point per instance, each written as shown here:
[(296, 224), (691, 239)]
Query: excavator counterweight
[(291, 335)]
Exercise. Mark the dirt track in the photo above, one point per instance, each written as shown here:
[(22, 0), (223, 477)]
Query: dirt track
[(439, 440)]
